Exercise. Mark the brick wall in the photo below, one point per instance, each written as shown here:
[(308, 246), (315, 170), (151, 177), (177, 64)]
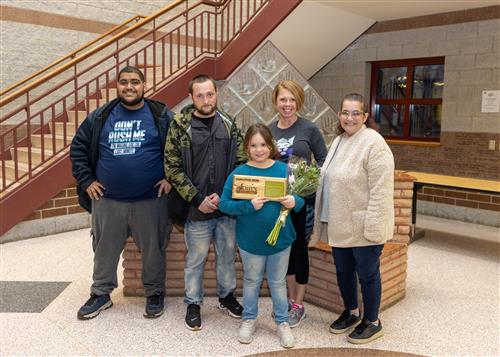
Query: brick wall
[(471, 50), (322, 290), (176, 251), (64, 203), (457, 197)]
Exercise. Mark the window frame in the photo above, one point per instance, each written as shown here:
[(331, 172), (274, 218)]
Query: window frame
[(410, 64)]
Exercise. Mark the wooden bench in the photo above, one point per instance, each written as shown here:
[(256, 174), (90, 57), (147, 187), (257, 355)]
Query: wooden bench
[(424, 178)]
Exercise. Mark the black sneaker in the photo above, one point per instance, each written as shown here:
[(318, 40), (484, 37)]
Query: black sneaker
[(345, 322), (232, 306), (193, 318), (154, 306), (94, 306), (366, 332)]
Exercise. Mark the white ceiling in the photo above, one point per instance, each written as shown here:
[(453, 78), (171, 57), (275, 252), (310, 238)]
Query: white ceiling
[(398, 9)]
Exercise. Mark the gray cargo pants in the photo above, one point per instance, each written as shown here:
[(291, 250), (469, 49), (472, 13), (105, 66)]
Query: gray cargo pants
[(112, 223)]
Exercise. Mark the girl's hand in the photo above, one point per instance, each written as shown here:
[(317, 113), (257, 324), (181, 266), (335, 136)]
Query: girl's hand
[(258, 202), (288, 202)]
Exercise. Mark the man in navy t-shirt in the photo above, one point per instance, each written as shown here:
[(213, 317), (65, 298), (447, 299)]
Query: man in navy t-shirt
[(117, 157)]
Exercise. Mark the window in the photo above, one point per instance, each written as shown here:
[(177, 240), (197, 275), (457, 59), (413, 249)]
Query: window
[(407, 98)]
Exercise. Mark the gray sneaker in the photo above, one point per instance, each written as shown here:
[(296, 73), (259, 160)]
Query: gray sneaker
[(285, 334), (247, 328), (296, 315)]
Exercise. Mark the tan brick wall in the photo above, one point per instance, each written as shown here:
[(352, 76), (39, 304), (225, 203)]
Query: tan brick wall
[(323, 289), (64, 203), (457, 197), (176, 251)]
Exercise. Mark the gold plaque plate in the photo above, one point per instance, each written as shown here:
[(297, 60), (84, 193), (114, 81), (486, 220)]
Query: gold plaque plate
[(248, 187)]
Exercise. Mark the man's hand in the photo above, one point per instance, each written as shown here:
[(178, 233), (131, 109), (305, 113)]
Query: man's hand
[(95, 190), (288, 202), (164, 187), (206, 206), (213, 200), (258, 202)]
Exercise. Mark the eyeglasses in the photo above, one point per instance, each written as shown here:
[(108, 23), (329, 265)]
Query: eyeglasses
[(354, 114)]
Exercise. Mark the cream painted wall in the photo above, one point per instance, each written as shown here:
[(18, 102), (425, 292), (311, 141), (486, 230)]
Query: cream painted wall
[(314, 33)]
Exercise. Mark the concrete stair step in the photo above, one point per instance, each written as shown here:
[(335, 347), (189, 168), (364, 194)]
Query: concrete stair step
[(82, 114), (70, 128), (92, 105), (7, 182), (36, 141), (36, 154), (105, 97), (10, 169)]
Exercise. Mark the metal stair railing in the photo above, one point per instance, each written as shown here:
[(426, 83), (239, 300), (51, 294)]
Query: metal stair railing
[(164, 45), (70, 55)]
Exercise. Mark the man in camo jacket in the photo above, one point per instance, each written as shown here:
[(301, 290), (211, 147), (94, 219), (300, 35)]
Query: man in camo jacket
[(203, 147)]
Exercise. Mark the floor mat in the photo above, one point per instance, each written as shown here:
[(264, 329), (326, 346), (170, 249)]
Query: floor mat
[(29, 296)]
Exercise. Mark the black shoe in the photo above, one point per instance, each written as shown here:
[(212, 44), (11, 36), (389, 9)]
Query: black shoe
[(193, 318), (232, 306), (345, 322), (94, 306), (154, 306), (366, 332)]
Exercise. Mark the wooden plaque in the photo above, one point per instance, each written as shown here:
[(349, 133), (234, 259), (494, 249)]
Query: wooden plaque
[(248, 187)]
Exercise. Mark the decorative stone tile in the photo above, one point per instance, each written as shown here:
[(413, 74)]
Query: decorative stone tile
[(268, 61), (327, 124), (228, 101), (246, 82), (263, 105), (246, 118), (289, 73), (247, 94), (313, 104)]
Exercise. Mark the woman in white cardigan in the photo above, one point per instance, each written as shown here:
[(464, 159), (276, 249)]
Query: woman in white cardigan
[(355, 214)]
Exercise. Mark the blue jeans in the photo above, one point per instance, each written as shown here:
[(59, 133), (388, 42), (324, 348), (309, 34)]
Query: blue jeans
[(275, 267), (365, 262), (198, 235)]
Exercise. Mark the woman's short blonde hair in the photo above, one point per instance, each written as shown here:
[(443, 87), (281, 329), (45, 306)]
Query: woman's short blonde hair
[(294, 88)]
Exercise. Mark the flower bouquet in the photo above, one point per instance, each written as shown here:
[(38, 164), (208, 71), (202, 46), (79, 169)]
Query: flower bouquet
[(303, 180)]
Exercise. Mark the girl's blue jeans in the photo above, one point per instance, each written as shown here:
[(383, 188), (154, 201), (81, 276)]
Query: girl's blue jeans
[(254, 268)]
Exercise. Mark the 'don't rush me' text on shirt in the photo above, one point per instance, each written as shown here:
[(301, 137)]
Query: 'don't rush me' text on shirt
[(131, 161)]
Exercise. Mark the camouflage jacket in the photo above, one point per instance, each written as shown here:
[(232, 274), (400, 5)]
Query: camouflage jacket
[(178, 157)]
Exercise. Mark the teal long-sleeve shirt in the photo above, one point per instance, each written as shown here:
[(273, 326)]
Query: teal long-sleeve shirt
[(253, 226)]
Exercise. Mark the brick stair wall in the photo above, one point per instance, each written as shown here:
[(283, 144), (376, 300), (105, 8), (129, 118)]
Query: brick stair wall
[(64, 203)]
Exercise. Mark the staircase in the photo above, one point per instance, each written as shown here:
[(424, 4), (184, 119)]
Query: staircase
[(40, 117)]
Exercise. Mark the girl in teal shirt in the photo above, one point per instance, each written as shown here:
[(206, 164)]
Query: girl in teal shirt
[(254, 221)]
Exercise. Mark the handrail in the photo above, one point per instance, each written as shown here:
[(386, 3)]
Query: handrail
[(165, 47), (96, 49), (71, 54)]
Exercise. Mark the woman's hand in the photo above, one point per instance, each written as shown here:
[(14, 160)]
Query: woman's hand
[(258, 202), (288, 202)]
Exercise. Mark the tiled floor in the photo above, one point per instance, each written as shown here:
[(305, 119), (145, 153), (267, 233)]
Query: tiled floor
[(451, 308)]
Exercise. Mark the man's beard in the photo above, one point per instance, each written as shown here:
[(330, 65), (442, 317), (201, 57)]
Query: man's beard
[(205, 112), (131, 103)]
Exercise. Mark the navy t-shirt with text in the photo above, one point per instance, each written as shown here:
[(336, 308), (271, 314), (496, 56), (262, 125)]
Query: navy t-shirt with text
[(130, 155)]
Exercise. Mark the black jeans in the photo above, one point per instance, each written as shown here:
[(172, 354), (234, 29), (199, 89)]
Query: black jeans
[(365, 262)]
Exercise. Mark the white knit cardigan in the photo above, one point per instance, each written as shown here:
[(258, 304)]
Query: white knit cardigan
[(361, 191)]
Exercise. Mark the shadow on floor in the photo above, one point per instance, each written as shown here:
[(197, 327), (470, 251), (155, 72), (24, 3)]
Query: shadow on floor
[(472, 247)]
